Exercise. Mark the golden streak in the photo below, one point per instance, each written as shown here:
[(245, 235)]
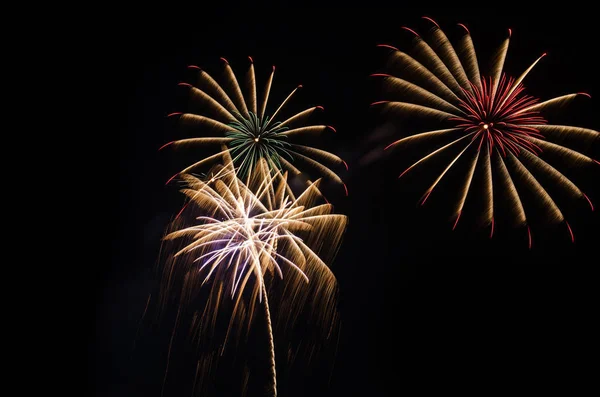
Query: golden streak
[(435, 64), (558, 131), (423, 135), (466, 51), (439, 178), (312, 129), (252, 89), (554, 213), (550, 103), (195, 120), (420, 94), (467, 185), (265, 99), (318, 153), (217, 92), (237, 91), (298, 117), (419, 110), (412, 67), (498, 64), (571, 155), (557, 177), (519, 80), (448, 55), (202, 141), (488, 214), (216, 107), (514, 200)]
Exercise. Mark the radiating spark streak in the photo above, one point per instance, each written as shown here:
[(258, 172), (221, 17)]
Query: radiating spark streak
[(465, 190), (322, 169), (312, 129), (417, 68), (422, 94), (200, 141), (203, 161), (171, 178), (237, 91), (499, 59), (421, 136), (589, 201), (467, 50), (267, 91), (438, 67), (318, 153), (558, 101), (219, 109), (570, 232), (537, 188), (201, 120), (439, 178), (252, 87), (165, 145), (299, 116), (558, 131), (217, 92), (448, 55), (419, 109), (387, 46), (283, 103), (558, 178), (570, 153), (456, 222), (489, 187), (435, 152), (512, 192), (520, 79)]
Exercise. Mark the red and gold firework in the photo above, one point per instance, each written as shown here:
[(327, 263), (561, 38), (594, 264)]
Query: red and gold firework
[(490, 117)]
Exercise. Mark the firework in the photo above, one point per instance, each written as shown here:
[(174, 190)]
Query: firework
[(243, 123), (251, 232), (491, 123)]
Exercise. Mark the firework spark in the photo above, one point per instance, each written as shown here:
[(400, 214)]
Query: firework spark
[(488, 116), (252, 230), (242, 122)]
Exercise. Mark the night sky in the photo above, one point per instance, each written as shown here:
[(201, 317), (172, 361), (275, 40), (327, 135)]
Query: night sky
[(423, 308)]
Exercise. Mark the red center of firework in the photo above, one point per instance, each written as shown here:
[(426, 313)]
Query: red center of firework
[(499, 115)]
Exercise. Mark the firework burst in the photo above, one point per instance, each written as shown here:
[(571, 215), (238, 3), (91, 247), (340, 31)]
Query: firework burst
[(489, 117), (242, 122), (251, 232)]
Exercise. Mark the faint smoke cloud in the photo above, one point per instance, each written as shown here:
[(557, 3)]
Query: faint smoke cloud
[(376, 141)]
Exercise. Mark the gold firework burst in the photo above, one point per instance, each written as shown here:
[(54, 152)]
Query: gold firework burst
[(249, 233)]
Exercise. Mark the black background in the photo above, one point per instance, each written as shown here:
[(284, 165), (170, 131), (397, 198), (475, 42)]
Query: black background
[(423, 307)]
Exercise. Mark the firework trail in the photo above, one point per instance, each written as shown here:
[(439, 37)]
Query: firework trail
[(249, 233), (491, 123), (241, 121)]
